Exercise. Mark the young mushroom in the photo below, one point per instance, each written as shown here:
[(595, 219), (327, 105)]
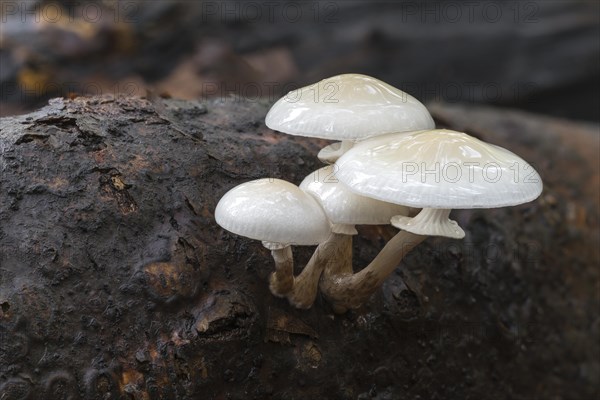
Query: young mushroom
[(344, 209), (349, 108), (435, 170), (280, 215)]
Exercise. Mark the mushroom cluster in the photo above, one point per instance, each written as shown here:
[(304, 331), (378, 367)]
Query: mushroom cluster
[(391, 167)]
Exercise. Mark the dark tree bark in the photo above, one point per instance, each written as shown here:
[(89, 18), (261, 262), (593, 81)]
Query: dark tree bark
[(115, 281)]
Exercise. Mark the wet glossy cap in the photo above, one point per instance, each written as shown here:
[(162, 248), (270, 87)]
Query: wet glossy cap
[(273, 210), (438, 169), (343, 207), (348, 107)]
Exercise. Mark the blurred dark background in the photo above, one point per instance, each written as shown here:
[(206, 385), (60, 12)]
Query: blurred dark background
[(542, 56)]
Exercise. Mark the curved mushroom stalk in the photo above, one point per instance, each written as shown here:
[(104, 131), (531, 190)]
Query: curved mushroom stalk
[(346, 290), (333, 255), (306, 284), (339, 263), (281, 282), (331, 153)]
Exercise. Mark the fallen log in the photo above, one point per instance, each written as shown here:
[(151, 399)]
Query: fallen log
[(115, 281)]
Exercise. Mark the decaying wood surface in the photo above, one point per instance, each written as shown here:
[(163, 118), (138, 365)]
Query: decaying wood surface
[(115, 281)]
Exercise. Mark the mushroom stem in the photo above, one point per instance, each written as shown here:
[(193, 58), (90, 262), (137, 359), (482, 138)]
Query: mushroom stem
[(332, 258), (333, 255), (339, 263), (331, 153), (351, 290), (281, 281)]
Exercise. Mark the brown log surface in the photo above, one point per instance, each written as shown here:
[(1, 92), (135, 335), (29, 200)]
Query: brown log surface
[(115, 281)]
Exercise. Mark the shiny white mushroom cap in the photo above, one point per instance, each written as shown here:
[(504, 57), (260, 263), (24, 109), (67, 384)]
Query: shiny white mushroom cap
[(348, 107), (273, 210), (345, 208), (438, 169)]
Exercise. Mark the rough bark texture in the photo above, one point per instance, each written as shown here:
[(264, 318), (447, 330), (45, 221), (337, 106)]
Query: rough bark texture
[(115, 281)]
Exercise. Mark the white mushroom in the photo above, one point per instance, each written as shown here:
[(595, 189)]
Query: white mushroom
[(344, 209), (349, 108), (435, 170), (280, 215)]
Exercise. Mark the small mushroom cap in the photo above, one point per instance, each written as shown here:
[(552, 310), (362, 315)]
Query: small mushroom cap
[(273, 210), (438, 169), (342, 206), (349, 106)]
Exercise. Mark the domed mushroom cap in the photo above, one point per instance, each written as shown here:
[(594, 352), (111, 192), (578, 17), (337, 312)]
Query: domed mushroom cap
[(273, 210), (342, 206), (438, 169), (348, 107)]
